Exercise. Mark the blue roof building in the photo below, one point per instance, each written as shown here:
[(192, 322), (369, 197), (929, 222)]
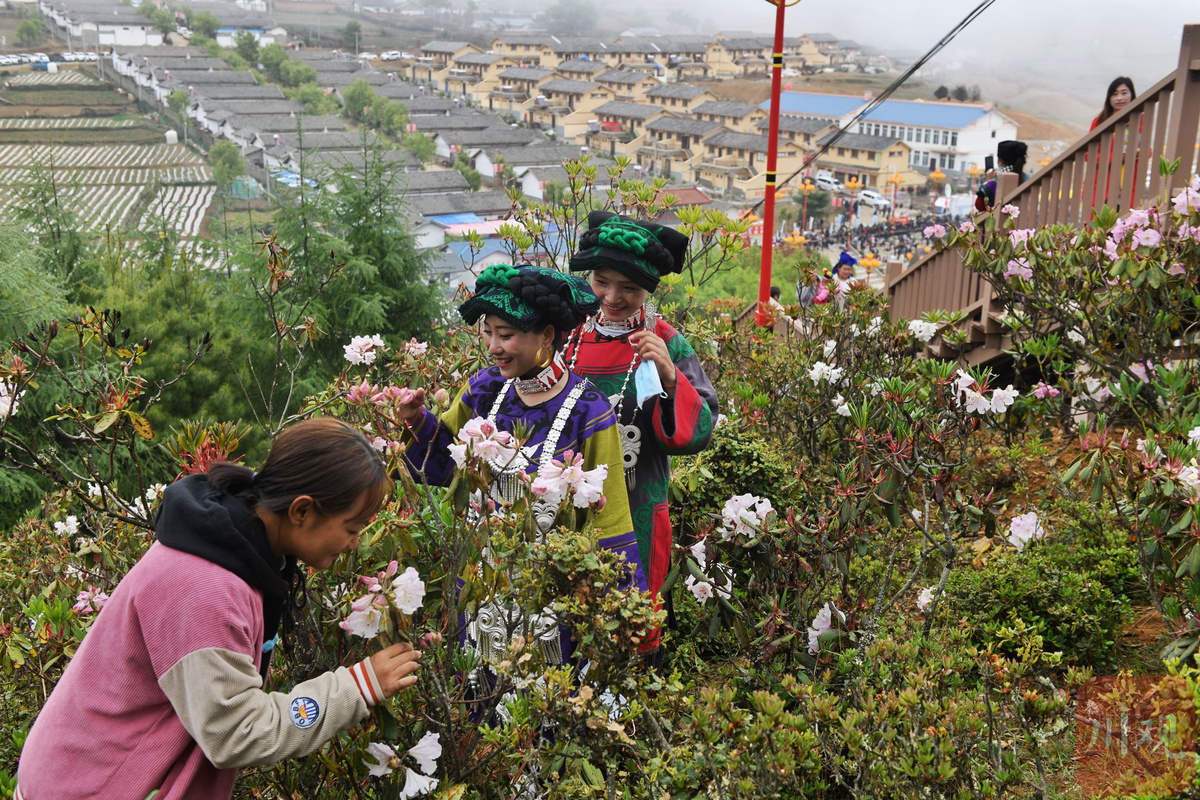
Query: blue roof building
[(830, 107)]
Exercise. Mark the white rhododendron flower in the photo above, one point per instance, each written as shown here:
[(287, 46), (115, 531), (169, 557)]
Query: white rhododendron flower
[(1024, 529), (1075, 336), (821, 623), (364, 623), (1194, 435), (821, 371), (363, 349), (426, 752), (383, 756), (744, 514), (699, 552), (925, 598), (94, 488), (586, 487), (976, 403), (8, 401), (416, 785), (68, 527), (408, 591), (702, 590), (841, 406), (922, 331), (1003, 398), (830, 348), (415, 348)]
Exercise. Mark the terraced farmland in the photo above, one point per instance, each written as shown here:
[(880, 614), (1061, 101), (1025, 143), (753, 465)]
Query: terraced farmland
[(106, 184)]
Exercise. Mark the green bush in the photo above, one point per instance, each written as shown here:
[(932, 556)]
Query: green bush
[(1072, 609)]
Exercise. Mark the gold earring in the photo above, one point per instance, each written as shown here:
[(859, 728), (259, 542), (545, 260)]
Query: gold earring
[(543, 362)]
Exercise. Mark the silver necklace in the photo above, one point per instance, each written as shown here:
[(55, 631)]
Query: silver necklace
[(631, 434), (506, 484)]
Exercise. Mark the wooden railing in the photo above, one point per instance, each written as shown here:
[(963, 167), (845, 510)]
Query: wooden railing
[(1116, 164)]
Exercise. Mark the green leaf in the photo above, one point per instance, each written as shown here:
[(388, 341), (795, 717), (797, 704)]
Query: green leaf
[(669, 581), (591, 773), (106, 421)]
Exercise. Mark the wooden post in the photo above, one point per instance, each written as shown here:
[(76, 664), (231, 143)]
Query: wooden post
[(1181, 135)]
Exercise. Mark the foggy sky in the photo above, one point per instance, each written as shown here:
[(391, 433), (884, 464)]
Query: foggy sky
[(1017, 48)]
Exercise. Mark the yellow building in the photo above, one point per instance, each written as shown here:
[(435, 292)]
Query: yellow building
[(618, 127), (735, 163), (678, 97), (871, 159), (578, 69), (566, 107), (628, 85), (735, 116), (669, 145), (804, 132), (525, 49), (517, 87), (738, 58), (437, 56), (473, 74)]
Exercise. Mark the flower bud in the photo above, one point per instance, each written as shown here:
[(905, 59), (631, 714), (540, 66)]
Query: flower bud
[(441, 397)]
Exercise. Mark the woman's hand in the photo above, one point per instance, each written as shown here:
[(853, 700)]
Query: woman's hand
[(651, 347), (395, 667), (410, 412)]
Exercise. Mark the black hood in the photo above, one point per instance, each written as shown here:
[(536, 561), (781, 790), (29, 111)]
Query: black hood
[(197, 519)]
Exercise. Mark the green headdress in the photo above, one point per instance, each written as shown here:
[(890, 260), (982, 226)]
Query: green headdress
[(526, 296), (641, 251)]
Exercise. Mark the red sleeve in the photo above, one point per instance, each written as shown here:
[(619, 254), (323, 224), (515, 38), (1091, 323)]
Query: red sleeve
[(676, 419)]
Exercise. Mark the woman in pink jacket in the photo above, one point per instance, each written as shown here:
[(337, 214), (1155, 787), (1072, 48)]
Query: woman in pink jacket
[(166, 692)]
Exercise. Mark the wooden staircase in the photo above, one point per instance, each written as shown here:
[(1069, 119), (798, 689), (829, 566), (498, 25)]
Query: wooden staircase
[(1115, 164)]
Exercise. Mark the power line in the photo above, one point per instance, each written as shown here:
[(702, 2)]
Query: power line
[(886, 93)]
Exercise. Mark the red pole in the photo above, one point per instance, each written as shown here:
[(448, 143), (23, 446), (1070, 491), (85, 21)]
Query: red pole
[(761, 316)]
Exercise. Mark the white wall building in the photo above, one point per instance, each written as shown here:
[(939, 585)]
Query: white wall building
[(952, 136)]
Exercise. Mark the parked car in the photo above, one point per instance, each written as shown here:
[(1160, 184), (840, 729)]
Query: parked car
[(874, 199), (9, 61), (368, 56), (390, 55), (828, 184), (40, 57), (405, 56)]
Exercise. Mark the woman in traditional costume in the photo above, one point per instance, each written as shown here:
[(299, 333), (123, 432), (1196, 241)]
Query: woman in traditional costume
[(528, 313), (665, 404)]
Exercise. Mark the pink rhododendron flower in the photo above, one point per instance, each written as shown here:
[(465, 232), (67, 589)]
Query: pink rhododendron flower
[(361, 393), (90, 600), (415, 348), (1177, 269), (1024, 529), (1020, 236), (1011, 210), (485, 441), (1146, 237), (1044, 390), (441, 397), (1018, 268), (935, 231), (1186, 201), (1142, 371), (966, 227)]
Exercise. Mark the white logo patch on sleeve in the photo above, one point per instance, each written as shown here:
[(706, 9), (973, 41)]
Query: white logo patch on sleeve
[(305, 712)]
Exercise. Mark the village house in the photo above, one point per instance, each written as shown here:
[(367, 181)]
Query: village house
[(870, 159), (618, 125), (526, 50), (735, 116), (474, 75), (737, 58), (735, 163), (678, 97), (670, 143), (627, 85), (518, 85), (803, 132), (448, 144), (437, 56), (491, 162), (577, 69), (566, 107)]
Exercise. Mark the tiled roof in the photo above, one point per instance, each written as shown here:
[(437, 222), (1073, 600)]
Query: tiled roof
[(725, 108), (626, 76), (861, 141), (795, 124), (683, 90), (525, 73), (569, 87), (444, 46), (687, 127), (580, 65), (619, 108)]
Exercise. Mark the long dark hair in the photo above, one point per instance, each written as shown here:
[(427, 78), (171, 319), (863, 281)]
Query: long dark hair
[(323, 458), (1108, 110)]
